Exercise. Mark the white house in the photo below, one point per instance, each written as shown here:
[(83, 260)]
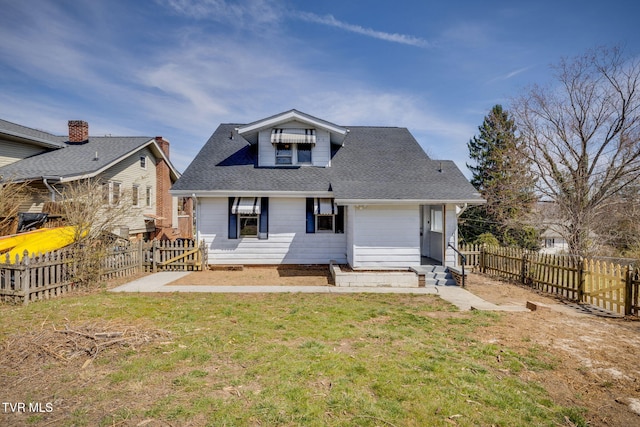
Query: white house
[(553, 242), (296, 189)]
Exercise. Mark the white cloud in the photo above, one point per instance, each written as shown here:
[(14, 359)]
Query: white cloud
[(256, 12), (198, 80), (510, 74), (331, 21)]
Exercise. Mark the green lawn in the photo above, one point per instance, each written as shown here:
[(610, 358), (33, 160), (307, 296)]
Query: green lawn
[(277, 359)]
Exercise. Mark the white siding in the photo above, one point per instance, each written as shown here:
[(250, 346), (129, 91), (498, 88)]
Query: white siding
[(266, 150), (11, 152), (35, 198), (451, 236), (349, 230), (288, 242), (320, 153), (554, 245), (386, 236)]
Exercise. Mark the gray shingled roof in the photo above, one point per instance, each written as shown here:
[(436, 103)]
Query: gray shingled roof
[(37, 136), (374, 163), (75, 159)]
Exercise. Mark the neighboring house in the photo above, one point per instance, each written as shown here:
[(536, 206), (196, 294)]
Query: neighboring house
[(553, 242), (295, 189), (138, 165)]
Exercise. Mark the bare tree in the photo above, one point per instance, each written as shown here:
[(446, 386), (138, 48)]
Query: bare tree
[(583, 138), (12, 194), (93, 209), (87, 205)]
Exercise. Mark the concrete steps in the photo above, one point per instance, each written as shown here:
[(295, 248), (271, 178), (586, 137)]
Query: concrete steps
[(433, 275)]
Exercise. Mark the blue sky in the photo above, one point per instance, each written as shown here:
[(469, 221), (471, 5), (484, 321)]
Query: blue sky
[(178, 68)]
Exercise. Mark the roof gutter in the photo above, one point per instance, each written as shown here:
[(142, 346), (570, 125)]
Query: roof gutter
[(410, 201)]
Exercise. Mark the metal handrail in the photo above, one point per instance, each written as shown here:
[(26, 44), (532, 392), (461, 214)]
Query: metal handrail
[(464, 260)]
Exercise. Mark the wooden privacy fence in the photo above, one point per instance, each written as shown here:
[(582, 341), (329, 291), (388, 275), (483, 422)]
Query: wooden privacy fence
[(613, 287), (53, 274)]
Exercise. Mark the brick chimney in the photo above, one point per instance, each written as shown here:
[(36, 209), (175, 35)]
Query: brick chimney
[(163, 144), (164, 203), (78, 131)]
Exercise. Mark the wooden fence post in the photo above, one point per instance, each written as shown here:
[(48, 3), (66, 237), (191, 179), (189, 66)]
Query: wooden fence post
[(140, 266), (482, 260), (628, 291), (154, 261), (581, 278), (525, 268), (26, 278)]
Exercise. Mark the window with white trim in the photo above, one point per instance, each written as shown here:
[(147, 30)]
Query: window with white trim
[(106, 190), (111, 193), (115, 192), (284, 154), (135, 195), (304, 153), (248, 225), (143, 162), (324, 223)]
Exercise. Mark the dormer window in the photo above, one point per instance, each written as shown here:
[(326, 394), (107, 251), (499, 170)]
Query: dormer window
[(293, 145)]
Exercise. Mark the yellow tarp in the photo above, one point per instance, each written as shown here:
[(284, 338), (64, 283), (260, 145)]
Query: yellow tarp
[(45, 241)]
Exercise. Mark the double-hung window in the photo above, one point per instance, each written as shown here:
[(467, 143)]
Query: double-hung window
[(304, 154), (135, 195), (115, 193), (284, 154), (325, 212), (111, 193)]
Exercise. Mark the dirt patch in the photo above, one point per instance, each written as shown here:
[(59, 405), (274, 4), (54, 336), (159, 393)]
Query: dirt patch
[(260, 276), (596, 359)]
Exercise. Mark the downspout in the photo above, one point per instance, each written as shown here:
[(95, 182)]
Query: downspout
[(458, 215), (196, 209), (52, 190), (464, 208)]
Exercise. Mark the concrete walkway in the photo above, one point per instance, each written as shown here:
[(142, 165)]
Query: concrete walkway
[(461, 298)]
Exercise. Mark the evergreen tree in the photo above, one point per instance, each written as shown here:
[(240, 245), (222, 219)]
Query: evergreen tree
[(501, 174)]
